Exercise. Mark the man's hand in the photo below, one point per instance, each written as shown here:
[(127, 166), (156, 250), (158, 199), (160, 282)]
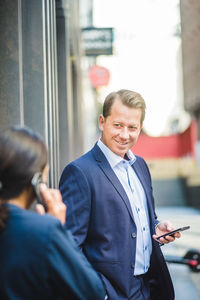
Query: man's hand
[(55, 205), (165, 227)]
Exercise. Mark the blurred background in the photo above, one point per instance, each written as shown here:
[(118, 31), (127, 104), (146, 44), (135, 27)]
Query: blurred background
[(58, 61)]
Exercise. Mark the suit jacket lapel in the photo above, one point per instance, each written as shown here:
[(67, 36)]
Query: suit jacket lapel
[(110, 174)]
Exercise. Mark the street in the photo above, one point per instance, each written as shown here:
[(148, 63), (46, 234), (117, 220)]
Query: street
[(186, 282)]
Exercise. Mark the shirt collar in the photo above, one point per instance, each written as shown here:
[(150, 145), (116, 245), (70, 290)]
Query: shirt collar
[(113, 158)]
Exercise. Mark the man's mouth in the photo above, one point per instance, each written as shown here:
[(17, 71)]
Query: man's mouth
[(122, 143)]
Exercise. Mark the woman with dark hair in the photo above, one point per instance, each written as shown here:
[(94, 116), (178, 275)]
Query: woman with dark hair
[(38, 257)]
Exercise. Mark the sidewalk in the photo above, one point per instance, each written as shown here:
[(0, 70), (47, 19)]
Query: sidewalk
[(186, 282)]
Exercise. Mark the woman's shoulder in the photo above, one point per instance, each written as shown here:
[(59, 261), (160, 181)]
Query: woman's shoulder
[(30, 220)]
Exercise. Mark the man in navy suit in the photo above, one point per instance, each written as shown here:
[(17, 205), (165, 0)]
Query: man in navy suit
[(110, 204)]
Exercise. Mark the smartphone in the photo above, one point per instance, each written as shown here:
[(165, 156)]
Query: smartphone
[(35, 182), (174, 231)]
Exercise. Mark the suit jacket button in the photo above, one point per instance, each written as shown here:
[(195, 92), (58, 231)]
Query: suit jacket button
[(132, 265), (133, 234)]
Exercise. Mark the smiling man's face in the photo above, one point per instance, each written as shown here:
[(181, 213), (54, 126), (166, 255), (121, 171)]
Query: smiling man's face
[(120, 130)]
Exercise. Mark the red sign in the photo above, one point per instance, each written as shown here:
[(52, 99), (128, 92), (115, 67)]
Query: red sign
[(99, 76)]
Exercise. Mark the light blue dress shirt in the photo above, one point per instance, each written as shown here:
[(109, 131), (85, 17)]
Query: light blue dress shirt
[(136, 195)]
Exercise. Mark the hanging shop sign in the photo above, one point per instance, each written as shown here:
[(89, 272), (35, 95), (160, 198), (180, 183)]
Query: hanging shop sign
[(97, 41), (99, 76)]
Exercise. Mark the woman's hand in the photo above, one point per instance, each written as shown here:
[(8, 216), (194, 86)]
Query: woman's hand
[(55, 205)]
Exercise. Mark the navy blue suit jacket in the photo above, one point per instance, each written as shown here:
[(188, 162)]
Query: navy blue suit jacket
[(100, 217), (39, 260)]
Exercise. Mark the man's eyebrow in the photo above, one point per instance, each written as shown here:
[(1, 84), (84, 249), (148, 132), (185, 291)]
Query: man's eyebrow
[(121, 122)]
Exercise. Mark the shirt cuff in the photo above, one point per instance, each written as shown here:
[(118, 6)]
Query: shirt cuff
[(157, 223)]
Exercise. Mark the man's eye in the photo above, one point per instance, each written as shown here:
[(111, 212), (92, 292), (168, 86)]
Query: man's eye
[(117, 125), (133, 128)]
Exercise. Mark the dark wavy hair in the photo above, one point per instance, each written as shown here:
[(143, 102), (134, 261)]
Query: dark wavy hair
[(22, 154)]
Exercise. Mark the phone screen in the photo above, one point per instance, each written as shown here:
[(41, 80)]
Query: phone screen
[(174, 231)]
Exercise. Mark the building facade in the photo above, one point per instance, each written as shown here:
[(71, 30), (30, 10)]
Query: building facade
[(40, 75), (190, 28)]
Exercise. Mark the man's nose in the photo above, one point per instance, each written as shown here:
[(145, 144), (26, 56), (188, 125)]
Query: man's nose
[(124, 133)]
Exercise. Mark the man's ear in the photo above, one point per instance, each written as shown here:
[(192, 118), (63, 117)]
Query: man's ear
[(101, 122)]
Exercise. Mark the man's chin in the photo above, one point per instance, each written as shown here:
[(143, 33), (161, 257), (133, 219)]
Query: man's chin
[(121, 153)]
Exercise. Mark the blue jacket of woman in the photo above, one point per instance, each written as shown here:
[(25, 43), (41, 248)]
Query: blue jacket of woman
[(40, 260)]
